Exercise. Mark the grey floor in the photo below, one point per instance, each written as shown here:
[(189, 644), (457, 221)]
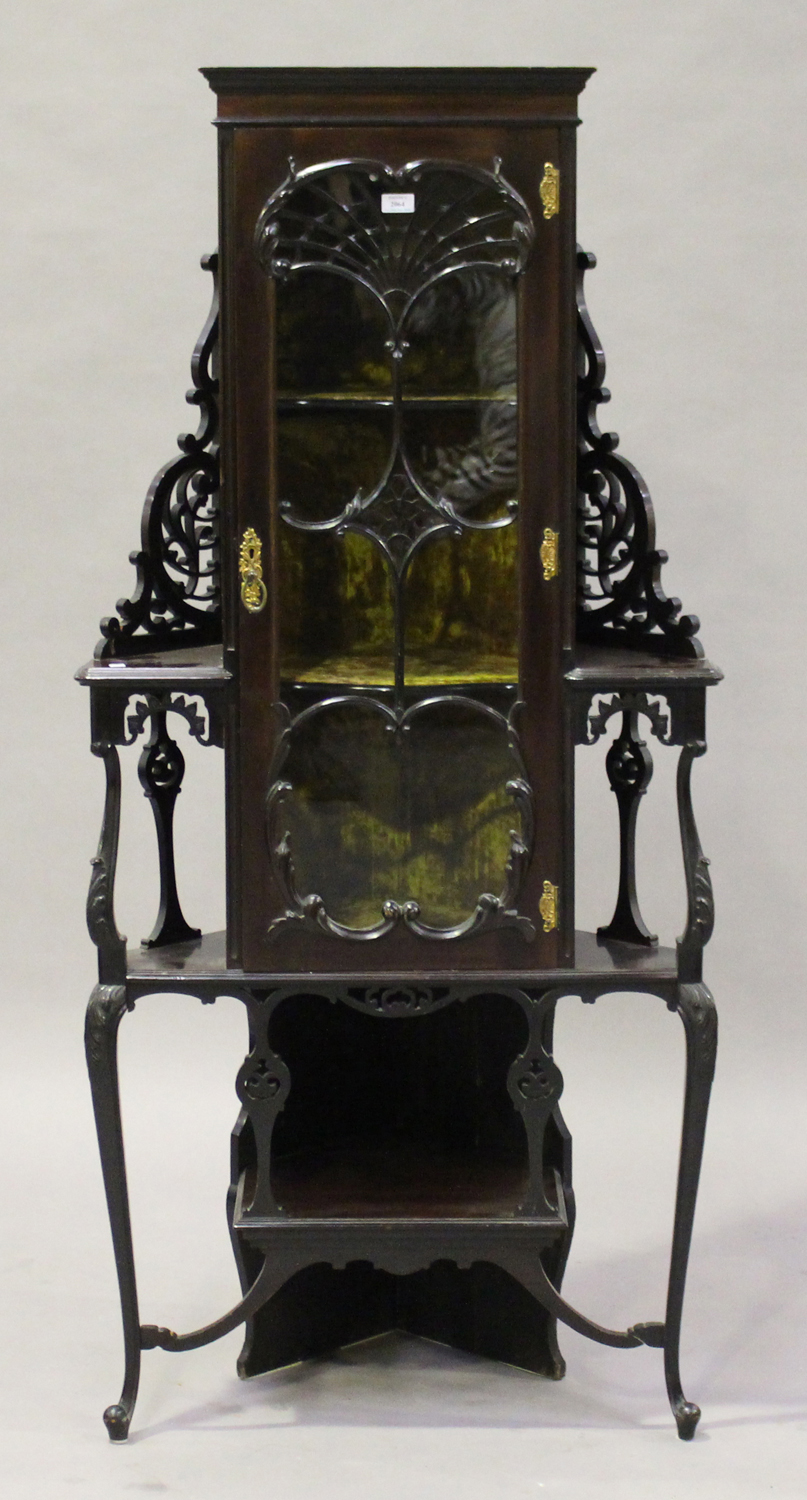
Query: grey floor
[(398, 1416)]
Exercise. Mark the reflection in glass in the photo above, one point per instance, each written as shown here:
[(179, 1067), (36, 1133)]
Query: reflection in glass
[(420, 814), (396, 479), (461, 336), (331, 338), (325, 457), (336, 616), (462, 610)]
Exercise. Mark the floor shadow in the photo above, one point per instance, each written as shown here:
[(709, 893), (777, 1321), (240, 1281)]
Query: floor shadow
[(742, 1356)]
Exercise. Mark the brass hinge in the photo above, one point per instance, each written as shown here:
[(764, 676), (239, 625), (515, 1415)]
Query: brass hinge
[(548, 552), (253, 588), (550, 190), (548, 906)]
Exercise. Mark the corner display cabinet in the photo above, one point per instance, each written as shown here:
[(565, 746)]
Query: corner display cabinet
[(398, 573)]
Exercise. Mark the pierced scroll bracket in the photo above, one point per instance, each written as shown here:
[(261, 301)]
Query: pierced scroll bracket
[(620, 600), (177, 599)]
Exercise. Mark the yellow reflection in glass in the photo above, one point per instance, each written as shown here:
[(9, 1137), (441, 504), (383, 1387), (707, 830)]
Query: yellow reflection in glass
[(336, 620), (462, 609)]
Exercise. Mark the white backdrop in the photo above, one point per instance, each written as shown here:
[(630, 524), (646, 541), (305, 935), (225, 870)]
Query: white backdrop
[(691, 193)]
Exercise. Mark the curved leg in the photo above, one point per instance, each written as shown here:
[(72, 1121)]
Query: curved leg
[(532, 1275), (107, 1005), (697, 1011), (269, 1280)]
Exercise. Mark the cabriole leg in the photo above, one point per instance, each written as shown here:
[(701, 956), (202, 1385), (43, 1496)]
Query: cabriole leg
[(107, 1005), (697, 1011)]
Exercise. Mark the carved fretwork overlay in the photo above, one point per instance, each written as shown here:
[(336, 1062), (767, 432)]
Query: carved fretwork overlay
[(262, 1085), (467, 237), (331, 217), (422, 244), (309, 909), (161, 768), (467, 224), (177, 598), (620, 598)]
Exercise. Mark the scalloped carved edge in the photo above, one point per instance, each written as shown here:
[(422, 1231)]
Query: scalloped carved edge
[(204, 727), (629, 606), (649, 705)]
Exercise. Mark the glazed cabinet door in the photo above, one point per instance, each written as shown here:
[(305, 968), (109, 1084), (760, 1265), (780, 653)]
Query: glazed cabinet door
[(398, 388)]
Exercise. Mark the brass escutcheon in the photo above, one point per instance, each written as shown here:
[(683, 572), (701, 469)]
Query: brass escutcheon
[(548, 552), (253, 588), (550, 190), (548, 906)]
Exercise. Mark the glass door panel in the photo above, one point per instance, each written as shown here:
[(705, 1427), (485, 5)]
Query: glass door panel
[(376, 819), (399, 792)]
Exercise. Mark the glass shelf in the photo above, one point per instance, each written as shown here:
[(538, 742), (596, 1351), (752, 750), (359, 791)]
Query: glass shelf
[(323, 400), (435, 668)]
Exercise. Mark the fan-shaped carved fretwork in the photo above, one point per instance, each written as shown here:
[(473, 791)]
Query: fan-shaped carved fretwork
[(466, 222), (329, 217), (177, 598), (620, 598)]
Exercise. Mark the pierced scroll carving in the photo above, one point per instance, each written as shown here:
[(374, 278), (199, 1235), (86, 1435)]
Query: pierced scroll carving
[(177, 598), (650, 706), (535, 1083), (330, 217), (400, 999), (161, 769), (309, 910), (202, 717), (620, 598), (262, 1085), (630, 767)]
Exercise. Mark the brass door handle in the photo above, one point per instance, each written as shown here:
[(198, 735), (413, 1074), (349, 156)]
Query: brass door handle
[(253, 588)]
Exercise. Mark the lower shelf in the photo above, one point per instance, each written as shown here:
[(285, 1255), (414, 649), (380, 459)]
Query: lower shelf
[(184, 965), (409, 1180)]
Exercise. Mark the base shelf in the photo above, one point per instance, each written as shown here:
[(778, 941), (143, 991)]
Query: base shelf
[(396, 1180)]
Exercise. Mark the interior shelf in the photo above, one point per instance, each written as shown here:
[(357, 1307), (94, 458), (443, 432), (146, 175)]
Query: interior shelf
[(436, 668), (336, 401), (396, 1179)]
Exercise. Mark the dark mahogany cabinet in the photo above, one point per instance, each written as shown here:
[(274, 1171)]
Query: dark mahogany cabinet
[(398, 573)]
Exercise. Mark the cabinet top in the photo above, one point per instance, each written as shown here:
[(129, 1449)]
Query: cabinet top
[(395, 80), (389, 95)]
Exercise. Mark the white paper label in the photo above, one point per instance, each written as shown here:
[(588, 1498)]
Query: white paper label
[(397, 203)]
